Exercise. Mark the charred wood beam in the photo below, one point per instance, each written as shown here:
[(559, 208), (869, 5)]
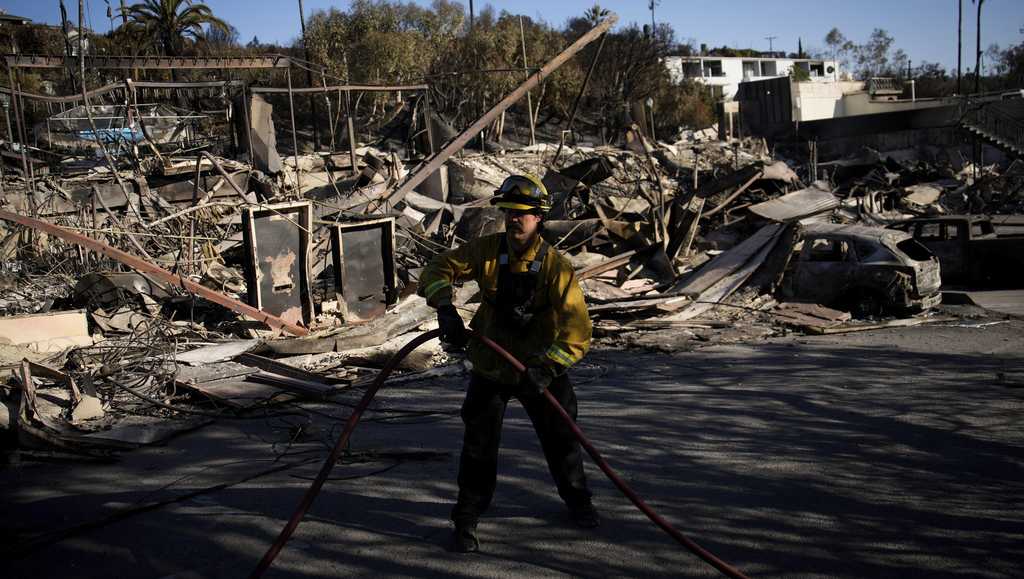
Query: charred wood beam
[(156, 272), (419, 175), (148, 62), (340, 88), (739, 191), (734, 179), (119, 86), (689, 210)]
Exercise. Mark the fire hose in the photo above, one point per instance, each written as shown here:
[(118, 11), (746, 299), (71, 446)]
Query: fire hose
[(350, 425)]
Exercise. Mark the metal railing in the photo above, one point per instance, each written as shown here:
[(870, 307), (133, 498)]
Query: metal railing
[(885, 85), (993, 120)]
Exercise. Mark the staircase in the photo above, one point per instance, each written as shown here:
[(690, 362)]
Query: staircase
[(999, 122)]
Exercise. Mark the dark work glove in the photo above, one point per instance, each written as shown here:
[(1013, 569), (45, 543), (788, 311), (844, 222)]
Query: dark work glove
[(539, 377), (453, 331)]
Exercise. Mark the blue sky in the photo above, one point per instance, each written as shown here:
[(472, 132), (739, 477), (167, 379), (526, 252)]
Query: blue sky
[(925, 29)]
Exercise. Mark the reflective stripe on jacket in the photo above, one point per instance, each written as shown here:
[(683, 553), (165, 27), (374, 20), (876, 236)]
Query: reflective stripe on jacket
[(560, 331)]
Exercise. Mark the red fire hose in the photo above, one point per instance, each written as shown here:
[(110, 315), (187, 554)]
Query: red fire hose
[(350, 425)]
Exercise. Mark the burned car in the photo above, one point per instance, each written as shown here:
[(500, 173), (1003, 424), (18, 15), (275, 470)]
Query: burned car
[(866, 270), (970, 249)]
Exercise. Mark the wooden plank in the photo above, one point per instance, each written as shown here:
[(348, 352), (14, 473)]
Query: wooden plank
[(188, 375), (802, 321), (627, 305), (682, 237), (239, 392), (902, 323), (739, 191), (811, 310), (724, 287), (301, 387), (409, 314), (613, 262), (726, 263), (282, 369)]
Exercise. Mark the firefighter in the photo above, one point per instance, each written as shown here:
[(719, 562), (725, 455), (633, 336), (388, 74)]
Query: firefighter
[(532, 306)]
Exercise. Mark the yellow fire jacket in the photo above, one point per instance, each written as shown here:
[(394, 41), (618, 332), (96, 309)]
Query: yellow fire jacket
[(560, 331)]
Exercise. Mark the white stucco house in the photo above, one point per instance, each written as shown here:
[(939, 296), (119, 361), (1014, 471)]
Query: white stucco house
[(723, 74)]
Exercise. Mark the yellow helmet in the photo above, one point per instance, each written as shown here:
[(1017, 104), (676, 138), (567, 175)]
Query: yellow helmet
[(522, 193)]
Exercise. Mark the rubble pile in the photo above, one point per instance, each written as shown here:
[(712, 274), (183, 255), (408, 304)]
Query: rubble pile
[(141, 299)]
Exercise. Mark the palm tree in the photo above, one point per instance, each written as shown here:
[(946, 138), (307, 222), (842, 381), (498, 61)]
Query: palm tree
[(169, 23), (595, 14)]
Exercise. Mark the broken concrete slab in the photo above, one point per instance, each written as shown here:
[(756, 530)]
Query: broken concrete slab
[(923, 194), (49, 332), (436, 185), (261, 131), (88, 408)]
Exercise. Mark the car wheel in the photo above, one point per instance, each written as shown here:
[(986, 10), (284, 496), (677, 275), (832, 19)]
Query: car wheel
[(866, 304)]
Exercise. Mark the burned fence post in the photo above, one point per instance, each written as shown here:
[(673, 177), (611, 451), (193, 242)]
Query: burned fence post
[(330, 112), (17, 120), (428, 123), (295, 138), (351, 132)]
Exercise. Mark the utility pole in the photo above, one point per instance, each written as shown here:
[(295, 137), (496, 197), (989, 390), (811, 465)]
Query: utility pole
[(67, 44), (771, 48), (309, 79), (959, 44), (977, 65), (110, 15), (651, 4), (471, 15)]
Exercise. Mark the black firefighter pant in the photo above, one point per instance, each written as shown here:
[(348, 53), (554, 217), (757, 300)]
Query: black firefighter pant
[(482, 413)]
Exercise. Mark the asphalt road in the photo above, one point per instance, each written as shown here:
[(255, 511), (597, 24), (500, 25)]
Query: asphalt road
[(895, 453), (1003, 301)]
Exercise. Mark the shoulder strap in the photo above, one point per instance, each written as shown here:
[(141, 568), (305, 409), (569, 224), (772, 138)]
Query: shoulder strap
[(538, 261), (503, 251), (535, 265)]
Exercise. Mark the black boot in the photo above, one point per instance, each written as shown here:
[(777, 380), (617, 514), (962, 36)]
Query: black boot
[(585, 516), (464, 538)]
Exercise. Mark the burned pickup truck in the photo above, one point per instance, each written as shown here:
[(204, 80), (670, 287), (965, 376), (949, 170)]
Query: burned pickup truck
[(969, 249), (866, 270)]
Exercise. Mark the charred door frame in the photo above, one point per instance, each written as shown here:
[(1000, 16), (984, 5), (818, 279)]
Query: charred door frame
[(301, 215)]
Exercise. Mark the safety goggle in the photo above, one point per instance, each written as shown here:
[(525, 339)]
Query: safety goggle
[(521, 186)]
